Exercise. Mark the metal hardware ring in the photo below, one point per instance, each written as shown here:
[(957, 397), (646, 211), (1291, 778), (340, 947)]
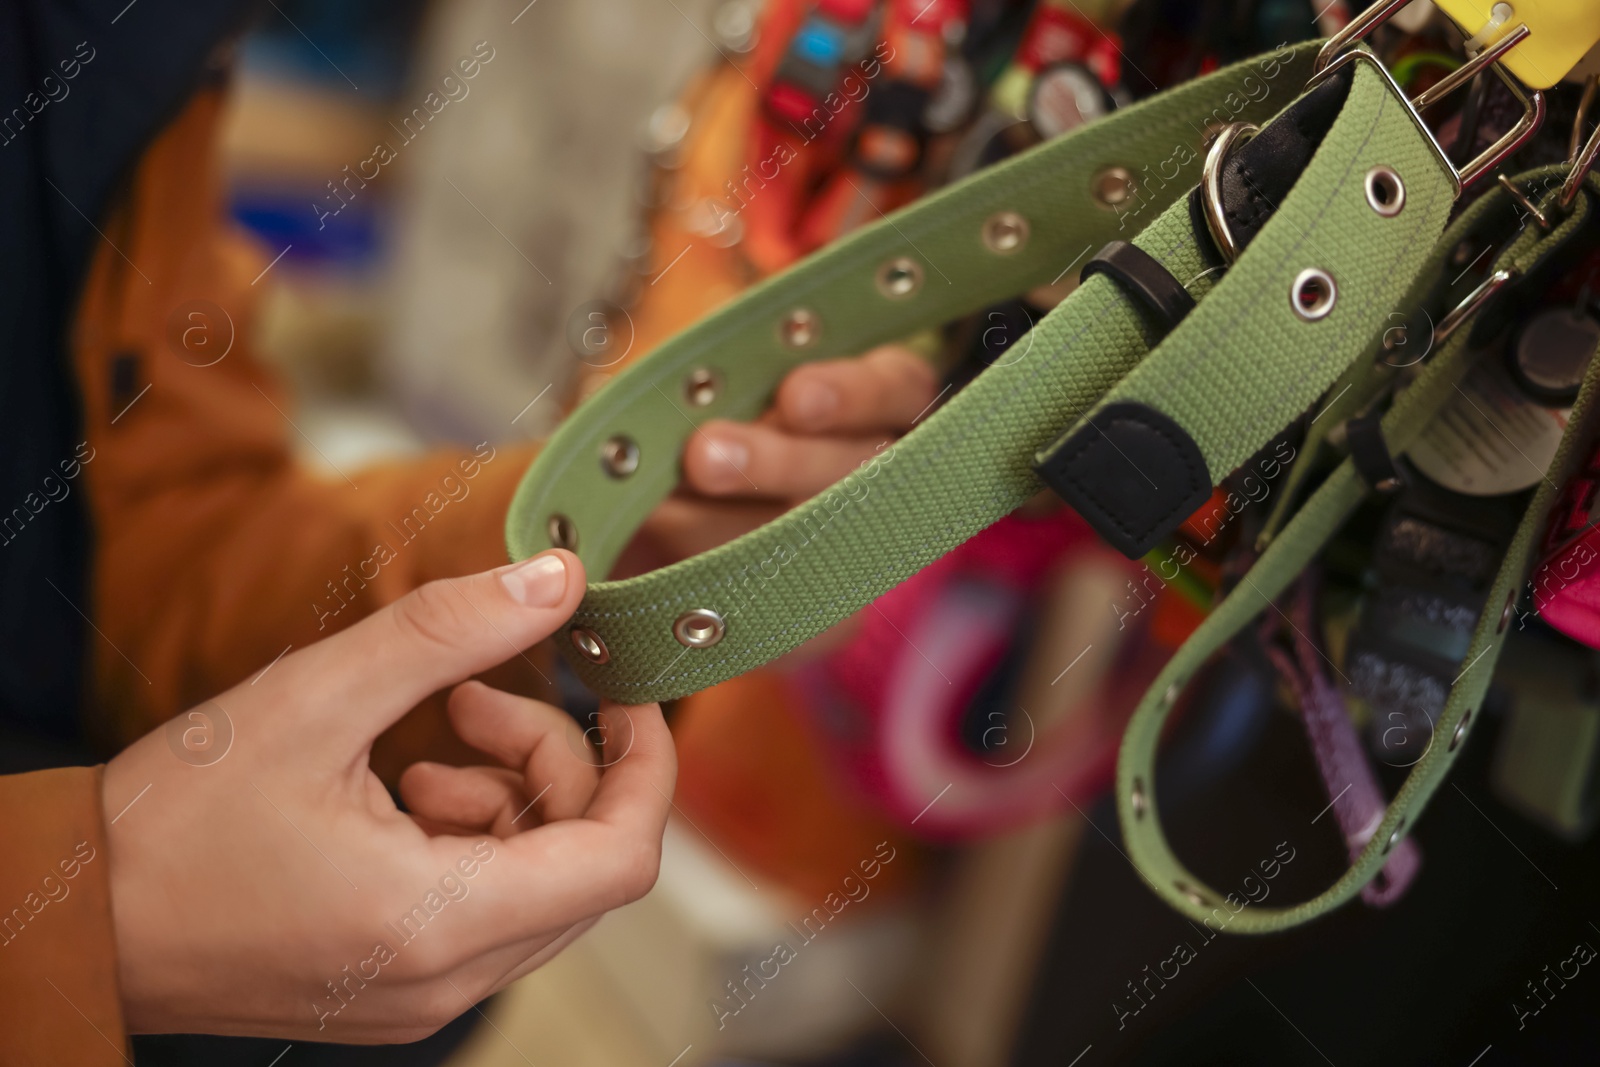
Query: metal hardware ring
[(1211, 185)]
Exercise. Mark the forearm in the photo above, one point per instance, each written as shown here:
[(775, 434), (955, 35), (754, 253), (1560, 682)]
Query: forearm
[(59, 1001)]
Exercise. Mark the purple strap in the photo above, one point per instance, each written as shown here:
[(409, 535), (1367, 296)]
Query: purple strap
[(1352, 788)]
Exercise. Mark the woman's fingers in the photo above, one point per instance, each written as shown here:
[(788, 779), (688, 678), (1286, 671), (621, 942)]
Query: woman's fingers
[(886, 389), (553, 876), (827, 418), (559, 767), (760, 460), (550, 770), (352, 686), (465, 800)]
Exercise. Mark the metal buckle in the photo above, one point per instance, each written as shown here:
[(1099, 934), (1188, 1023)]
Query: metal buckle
[(1337, 52), (1581, 157), (1211, 185)]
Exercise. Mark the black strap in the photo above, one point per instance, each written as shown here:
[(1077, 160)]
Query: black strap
[(1369, 452), (1143, 276)]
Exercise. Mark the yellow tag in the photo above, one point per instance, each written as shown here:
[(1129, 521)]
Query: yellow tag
[(1560, 32)]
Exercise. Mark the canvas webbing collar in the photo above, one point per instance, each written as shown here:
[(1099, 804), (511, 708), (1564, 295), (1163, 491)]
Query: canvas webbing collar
[(1237, 369), (1260, 349), (1301, 539)]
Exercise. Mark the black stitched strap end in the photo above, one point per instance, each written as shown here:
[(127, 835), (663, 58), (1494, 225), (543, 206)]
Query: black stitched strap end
[(1143, 277), (1133, 474)]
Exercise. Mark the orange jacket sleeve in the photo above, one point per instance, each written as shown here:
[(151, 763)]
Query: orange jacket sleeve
[(58, 959), (215, 552)]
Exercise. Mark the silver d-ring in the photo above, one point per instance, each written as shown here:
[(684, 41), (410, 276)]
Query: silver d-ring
[(1211, 185)]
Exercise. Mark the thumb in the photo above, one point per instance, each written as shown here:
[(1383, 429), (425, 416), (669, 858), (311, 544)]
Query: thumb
[(433, 637)]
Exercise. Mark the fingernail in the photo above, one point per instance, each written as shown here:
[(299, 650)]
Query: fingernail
[(815, 404), (540, 582), (726, 461)]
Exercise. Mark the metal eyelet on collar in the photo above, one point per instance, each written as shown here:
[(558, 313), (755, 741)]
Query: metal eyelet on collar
[(1507, 611), (700, 628), (563, 532), (1460, 731), (1313, 294), (1395, 835), (799, 328), (702, 387), (589, 645), (1140, 803), (1113, 186), (1386, 191), (1005, 232), (900, 278), (620, 456)]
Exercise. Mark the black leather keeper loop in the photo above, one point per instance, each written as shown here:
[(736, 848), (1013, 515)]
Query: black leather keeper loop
[(1144, 278)]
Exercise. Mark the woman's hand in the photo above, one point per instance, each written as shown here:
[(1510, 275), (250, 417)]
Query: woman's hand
[(263, 882), (826, 419)]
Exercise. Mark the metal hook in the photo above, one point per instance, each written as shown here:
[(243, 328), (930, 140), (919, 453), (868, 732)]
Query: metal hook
[(1590, 87), (1527, 205), (1472, 303), (1583, 158)]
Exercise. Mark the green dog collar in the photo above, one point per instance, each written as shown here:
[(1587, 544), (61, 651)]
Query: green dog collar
[(1021, 224)]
